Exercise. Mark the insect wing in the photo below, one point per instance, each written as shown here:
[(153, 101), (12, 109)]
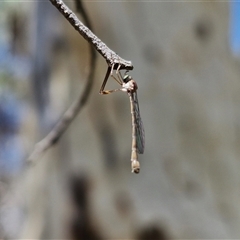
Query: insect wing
[(140, 135)]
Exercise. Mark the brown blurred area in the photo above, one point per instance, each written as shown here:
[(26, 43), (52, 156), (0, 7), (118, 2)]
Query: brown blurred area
[(189, 96)]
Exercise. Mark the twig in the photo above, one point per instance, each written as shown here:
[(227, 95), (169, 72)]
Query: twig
[(111, 57), (60, 127), (55, 134)]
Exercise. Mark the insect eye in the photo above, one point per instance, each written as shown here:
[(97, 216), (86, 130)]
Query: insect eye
[(127, 78)]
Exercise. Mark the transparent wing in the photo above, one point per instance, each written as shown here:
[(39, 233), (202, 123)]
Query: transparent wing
[(140, 135)]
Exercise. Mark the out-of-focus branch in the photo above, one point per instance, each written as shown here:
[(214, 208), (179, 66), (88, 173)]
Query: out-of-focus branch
[(55, 134), (111, 57)]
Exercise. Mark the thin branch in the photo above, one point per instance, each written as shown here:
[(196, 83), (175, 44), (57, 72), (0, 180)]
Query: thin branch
[(81, 10), (111, 57), (55, 134)]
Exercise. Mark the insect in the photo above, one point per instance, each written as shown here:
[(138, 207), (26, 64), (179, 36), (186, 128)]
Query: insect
[(129, 86)]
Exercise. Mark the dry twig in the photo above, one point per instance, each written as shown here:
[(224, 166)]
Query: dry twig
[(111, 58)]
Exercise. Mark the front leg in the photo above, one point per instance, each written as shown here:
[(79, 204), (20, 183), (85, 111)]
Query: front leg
[(110, 91)]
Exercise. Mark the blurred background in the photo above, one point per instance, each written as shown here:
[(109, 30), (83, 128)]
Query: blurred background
[(186, 63)]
